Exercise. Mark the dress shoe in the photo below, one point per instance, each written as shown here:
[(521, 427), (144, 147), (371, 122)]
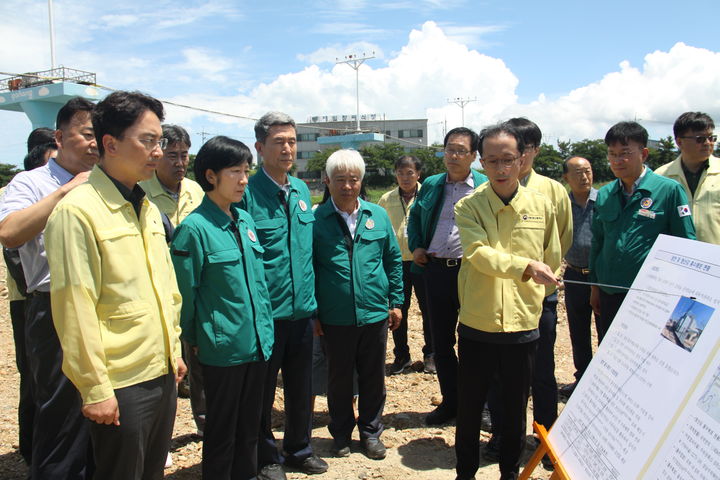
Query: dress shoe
[(429, 364), (440, 415), (341, 452), (567, 390), (399, 365), (274, 471), (311, 465), (374, 448)]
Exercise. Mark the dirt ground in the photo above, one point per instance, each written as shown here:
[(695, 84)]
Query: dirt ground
[(414, 450)]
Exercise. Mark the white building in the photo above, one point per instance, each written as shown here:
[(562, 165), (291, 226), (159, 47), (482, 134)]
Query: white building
[(410, 134)]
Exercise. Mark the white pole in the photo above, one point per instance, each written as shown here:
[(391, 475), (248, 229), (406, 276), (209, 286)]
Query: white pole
[(357, 98), (355, 63), (52, 35)]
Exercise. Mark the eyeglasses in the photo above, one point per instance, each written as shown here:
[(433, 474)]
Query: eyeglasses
[(703, 138), (456, 153), (152, 144), (498, 163), (622, 156)]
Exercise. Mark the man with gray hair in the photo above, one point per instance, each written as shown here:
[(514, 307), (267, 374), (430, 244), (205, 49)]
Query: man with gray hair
[(360, 295), (280, 206)]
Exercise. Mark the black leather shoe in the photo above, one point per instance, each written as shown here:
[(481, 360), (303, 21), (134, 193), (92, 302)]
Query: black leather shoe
[(341, 452), (567, 390), (399, 365), (311, 465), (374, 448), (440, 415), (274, 471)]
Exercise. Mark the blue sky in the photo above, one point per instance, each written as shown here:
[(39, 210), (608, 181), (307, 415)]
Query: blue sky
[(573, 67)]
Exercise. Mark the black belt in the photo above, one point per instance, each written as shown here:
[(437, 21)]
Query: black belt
[(37, 293), (581, 270), (445, 262)]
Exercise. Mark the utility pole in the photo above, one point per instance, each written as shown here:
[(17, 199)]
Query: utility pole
[(354, 61), (461, 102), (52, 35), (204, 134)]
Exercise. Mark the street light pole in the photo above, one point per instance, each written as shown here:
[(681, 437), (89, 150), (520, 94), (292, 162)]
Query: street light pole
[(461, 102), (354, 62)]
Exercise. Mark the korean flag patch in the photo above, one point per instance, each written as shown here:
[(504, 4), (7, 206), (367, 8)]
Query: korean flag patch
[(683, 211)]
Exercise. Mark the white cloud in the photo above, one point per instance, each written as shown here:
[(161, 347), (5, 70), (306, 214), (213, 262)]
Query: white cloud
[(669, 83), (418, 81), (331, 53), (473, 36)]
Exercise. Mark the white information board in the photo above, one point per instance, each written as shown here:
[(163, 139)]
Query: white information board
[(648, 406)]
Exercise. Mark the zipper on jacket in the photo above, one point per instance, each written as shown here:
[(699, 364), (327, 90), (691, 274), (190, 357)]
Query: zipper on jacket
[(236, 232), (286, 206), (350, 246)]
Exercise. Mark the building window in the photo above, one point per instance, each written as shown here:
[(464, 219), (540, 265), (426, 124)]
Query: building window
[(303, 155), (410, 133), (307, 137)]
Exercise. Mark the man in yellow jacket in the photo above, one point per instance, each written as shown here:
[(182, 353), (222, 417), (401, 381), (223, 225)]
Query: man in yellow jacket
[(511, 250), (114, 296), (698, 171), (544, 384)]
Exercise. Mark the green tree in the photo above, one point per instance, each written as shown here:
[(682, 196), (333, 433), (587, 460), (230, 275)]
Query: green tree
[(595, 151), (432, 164), (317, 162), (564, 148), (665, 153), (191, 167), (7, 172), (548, 162)]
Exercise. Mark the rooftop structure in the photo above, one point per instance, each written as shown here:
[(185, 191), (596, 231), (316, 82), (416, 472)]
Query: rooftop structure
[(41, 94)]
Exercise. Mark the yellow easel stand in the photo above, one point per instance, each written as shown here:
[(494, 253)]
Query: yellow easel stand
[(544, 448)]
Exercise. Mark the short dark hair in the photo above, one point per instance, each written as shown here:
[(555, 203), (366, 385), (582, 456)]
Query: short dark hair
[(528, 130), (625, 132), (36, 157), (410, 161), (271, 119), (40, 136), (119, 111), (68, 111), (218, 153), (176, 134), (463, 131), (692, 121), (498, 129)]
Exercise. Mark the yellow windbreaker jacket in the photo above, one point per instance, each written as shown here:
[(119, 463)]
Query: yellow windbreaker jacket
[(498, 242), (115, 300)]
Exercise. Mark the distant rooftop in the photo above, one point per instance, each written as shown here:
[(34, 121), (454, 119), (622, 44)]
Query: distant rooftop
[(55, 75)]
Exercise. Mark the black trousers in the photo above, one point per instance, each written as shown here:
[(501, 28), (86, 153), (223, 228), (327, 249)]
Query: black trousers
[(480, 364), (443, 305), (610, 303), (362, 349), (400, 336), (544, 384), (234, 402), (292, 352), (579, 314), (138, 447), (197, 389), (26, 405), (61, 446)]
